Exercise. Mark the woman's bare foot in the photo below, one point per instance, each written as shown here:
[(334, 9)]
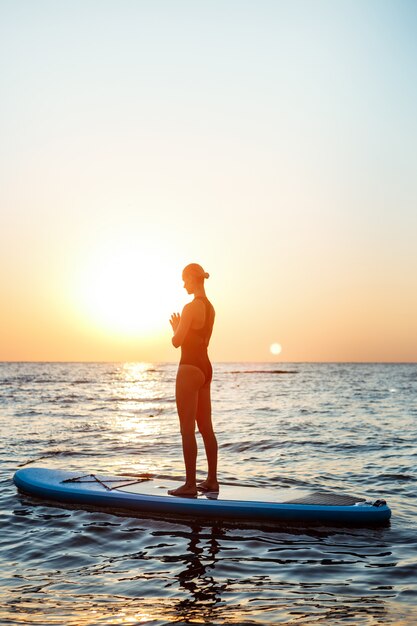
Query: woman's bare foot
[(208, 485), (185, 491)]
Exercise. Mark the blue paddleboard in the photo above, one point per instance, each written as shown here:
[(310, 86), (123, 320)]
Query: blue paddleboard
[(148, 494)]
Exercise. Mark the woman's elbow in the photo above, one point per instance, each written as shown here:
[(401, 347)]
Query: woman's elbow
[(175, 342)]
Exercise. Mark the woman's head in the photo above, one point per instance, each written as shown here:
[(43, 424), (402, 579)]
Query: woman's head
[(193, 276)]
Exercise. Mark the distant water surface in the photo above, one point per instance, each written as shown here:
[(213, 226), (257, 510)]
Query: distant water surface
[(343, 427)]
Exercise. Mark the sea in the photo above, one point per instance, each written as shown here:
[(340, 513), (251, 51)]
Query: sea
[(345, 427)]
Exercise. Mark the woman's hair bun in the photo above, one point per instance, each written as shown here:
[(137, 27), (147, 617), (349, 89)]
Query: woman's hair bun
[(196, 270)]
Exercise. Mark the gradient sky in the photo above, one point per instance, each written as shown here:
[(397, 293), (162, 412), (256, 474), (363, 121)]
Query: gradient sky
[(274, 142)]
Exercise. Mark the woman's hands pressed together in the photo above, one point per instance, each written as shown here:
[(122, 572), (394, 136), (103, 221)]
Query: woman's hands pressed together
[(174, 321)]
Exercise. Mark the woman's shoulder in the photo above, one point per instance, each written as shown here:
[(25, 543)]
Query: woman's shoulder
[(210, 304), (193, 307), (197, 306)]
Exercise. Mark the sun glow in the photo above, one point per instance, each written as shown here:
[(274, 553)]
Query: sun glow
[(128, 288)]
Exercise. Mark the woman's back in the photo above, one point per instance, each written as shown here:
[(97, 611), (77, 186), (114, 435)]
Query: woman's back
[(194, 346)]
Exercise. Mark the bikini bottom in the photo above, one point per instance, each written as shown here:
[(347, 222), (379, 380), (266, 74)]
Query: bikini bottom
[(204, 366)]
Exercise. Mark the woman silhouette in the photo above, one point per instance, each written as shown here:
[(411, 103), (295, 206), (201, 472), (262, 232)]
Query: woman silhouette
[(192, 332)]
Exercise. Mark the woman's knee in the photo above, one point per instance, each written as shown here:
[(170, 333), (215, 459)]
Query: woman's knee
[(187, 428), (205, 428)]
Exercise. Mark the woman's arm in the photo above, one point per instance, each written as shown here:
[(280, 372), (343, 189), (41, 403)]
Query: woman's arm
[(212, 317), (181, 325)]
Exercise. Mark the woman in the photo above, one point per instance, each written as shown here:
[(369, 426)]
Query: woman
[(192, 332)]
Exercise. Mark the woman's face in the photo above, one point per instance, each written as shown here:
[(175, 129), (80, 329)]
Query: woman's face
[(189, 282)]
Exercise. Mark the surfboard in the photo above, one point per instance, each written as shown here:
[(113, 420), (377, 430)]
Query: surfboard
[(149, 494)]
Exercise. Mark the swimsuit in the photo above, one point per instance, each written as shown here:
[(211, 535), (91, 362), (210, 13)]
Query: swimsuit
[(194, 346)]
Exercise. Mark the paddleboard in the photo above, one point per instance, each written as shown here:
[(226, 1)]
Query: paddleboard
[(149, 494)]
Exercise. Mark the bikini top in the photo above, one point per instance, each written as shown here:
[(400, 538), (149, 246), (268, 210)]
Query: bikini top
[(202, 335)]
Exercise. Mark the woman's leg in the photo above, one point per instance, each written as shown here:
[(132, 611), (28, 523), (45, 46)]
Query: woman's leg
[(205, 426), (189, 381)]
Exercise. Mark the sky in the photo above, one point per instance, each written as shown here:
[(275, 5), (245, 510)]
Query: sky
[(273, 142)]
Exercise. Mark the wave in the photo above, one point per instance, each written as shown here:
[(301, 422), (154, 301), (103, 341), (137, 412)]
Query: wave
[(263, 372), (395, 477), (51, 454), (135, 399)]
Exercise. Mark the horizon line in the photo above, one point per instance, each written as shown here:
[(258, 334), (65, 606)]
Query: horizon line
[(219, 362)]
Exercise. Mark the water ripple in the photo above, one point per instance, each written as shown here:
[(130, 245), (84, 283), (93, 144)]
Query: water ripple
[(343, 427)]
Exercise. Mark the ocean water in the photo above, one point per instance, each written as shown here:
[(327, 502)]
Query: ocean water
[(344, 427)]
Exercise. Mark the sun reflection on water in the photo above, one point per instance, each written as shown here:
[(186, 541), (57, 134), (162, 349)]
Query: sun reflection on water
[(139, 400), (136, 371)]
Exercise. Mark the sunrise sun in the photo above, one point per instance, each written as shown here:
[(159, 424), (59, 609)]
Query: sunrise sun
[(275, 348), (128, 288)]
